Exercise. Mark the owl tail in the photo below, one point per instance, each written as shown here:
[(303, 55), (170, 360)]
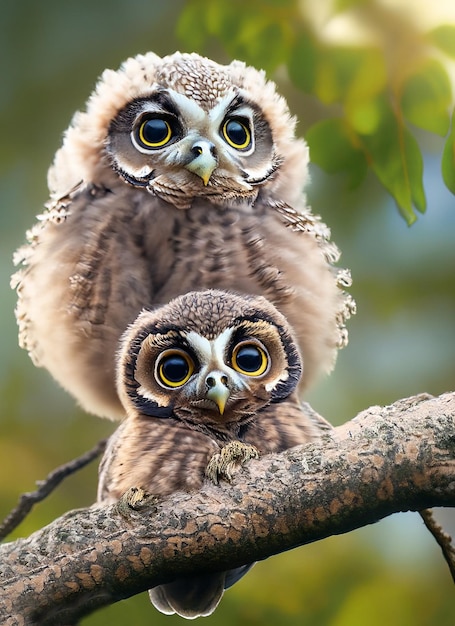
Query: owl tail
[(197, 596)]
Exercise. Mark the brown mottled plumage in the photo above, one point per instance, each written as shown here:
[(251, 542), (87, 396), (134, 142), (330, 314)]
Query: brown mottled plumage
[(182, 174), (207, 382)]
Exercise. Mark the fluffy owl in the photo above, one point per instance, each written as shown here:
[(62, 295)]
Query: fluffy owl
[(181, 174), (207, 381)]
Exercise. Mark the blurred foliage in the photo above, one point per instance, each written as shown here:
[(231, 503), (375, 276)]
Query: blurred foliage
[(378, 72), (368, 81)]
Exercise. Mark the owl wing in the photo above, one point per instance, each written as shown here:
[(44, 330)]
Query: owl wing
[(86, 275), (162, 457), (290, 255), (283, 425), (107, 483), (319, 422), (157, 454)]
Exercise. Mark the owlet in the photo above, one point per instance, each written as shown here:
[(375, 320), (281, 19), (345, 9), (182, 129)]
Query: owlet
[(181, 174), (207, 382)]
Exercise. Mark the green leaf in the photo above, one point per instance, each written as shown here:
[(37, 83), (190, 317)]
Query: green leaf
[(223, 22), (340, 6), (335, 71), (302, 62), (279, 4), (191, 26), (254, 43), (369, 76), (349, 75), (259, 33), (444, 38), (448, 158), (395, 157), (427, 97), (364, 117), (332, 149), (361, 95)]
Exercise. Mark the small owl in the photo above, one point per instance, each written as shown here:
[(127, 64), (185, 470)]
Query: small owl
[(207, 382), (181, 174)]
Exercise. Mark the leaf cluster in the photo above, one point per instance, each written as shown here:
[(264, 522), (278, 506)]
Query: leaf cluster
[(380, 77)]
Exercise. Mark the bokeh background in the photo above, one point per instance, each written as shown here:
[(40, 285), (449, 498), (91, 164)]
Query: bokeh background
[(402, 339)]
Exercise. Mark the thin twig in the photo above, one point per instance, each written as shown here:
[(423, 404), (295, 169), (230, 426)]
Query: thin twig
[(443, 539), (45, 487)]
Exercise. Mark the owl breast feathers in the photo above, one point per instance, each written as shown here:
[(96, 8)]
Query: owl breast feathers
[(181, 174), (207, 382)]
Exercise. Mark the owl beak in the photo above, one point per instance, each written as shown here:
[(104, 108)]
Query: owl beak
[(218, 390), (204, 161)]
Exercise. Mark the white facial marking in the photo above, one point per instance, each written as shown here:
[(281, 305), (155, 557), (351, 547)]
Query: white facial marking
[(270, 386), (211, 355), (144, 393), (210, 352), (190, 107)]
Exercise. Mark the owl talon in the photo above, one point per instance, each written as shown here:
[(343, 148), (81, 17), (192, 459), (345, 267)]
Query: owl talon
[(230, 457), (135, 499)]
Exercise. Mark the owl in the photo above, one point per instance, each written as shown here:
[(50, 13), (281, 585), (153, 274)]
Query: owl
[(207, 382), (181, 174)]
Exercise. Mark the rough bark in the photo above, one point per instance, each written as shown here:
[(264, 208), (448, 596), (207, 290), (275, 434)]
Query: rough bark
[(397, 458)]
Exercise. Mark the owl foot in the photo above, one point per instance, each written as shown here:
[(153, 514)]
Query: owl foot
[(135, 499), (225, 462)]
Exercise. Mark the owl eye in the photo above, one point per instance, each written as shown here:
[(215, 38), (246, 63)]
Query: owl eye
[(174, 368), (250, 359), (154, 132), (236, 133)]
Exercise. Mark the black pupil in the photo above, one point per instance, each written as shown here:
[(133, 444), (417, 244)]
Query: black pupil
[(155, 130), (249, 359), (236, 132), (175, 368)]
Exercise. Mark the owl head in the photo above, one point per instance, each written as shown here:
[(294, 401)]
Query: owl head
[(207, 358), (183, 127)]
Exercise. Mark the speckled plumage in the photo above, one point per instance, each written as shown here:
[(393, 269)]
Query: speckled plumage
[(170, 436), (129, 226)]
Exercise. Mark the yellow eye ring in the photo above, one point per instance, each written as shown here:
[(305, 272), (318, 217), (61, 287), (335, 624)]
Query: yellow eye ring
[(250, 358), (236, 134), (154, 132), (174, 368)]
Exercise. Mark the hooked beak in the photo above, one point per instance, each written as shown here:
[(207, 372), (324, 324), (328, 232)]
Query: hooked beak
[(217, 389), (204, 161)]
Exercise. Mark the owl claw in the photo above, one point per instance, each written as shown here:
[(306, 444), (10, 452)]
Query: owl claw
[(230, 457), (134, 499)]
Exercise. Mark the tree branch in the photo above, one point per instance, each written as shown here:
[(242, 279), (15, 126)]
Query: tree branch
[(28, 500), (442, 538), (397, 458)]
